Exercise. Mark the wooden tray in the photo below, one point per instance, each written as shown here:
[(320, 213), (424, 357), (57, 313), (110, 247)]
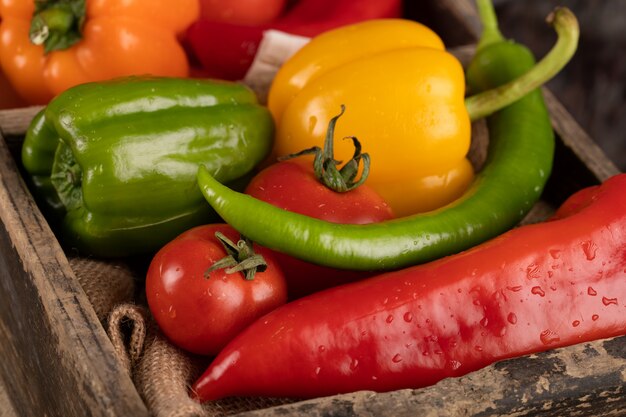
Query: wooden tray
[(58, 361)]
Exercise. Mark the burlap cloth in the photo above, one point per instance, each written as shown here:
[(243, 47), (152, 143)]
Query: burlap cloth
[(162, 373)]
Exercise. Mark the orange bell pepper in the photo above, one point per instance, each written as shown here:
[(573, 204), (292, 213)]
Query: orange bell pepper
[(47, 47)]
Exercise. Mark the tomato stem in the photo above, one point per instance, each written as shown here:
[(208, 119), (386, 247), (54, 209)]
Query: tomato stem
[(241, 258), (325, 164)]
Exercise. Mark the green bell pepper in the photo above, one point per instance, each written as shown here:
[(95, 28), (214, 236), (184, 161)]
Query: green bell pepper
[(115, 162)]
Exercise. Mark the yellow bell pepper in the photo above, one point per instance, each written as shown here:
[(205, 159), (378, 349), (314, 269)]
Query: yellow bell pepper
[(404, 98)]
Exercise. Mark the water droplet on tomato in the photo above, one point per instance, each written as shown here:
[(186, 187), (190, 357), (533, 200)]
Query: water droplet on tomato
[(591, 291), (595, 317), (484, 321), (608, 301), (321, 348), (318, 370), (408, 317), (476, 302), (553, 287), (538, 291), (396, 358), (550, 274), (172, 312), (389, 318), (478, 348), (555, 253), (512, 318), (548, 337), (354, 364), (515, 288), (576, 323)]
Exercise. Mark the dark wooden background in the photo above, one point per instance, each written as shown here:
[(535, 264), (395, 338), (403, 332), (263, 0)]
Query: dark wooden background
[(593, 85)]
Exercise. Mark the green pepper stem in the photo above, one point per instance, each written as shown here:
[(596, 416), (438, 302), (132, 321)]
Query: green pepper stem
[(488, 102), (491, 32), (57, 24)]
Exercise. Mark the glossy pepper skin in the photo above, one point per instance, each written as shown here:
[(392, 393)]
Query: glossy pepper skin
[(226, 50), (406, 99), (533, 288), (117, 160), (115, 38)]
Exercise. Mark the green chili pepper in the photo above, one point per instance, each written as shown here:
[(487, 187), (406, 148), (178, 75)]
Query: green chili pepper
[(117, 161), (520, 157)]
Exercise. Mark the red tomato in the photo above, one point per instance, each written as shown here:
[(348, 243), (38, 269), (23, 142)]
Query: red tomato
[(292, 185), (201, 314), (242, 12)]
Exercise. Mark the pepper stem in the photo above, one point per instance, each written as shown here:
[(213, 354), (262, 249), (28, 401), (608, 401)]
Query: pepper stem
[(57, 24), (490, 33), (325, 165), (488, 102), (241, 258)]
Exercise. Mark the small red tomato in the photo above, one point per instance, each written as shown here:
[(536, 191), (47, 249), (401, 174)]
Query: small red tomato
[(201, 312), (295, 185)]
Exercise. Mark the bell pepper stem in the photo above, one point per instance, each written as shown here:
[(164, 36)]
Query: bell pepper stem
[(57, 24), (48, 21), (488, 102)]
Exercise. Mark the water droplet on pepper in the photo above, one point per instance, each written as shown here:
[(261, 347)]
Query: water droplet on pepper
[(538, 291), (589, 248), (549, 337), (512, 318), (608, 301)]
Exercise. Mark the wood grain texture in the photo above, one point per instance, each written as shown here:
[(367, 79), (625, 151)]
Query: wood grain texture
[(582, 380), (14, 122), (56, 357)]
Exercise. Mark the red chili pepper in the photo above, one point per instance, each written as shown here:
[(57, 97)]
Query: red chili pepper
[(534, 288), (226, 50)]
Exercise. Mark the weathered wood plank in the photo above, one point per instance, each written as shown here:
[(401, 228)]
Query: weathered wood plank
[(582, 380), (56, 357), (6, 406), (14, 122)]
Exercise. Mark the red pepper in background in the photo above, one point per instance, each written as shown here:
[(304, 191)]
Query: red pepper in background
[(534, 288), (241, 12), (226, 50)]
